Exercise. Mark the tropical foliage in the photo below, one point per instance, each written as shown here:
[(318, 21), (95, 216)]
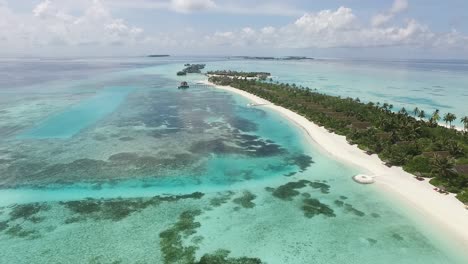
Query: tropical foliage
[(191, 68), (422, 147), (240, 74)]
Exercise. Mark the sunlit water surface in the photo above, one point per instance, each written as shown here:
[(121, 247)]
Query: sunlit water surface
[(102, 160)]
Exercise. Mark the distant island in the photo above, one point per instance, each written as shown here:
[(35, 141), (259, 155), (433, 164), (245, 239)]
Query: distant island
[(191, 68), (271, 58), (240, 74), (158, 55)]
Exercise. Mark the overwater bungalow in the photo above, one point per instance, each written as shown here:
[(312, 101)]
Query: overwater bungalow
[(183, 85)]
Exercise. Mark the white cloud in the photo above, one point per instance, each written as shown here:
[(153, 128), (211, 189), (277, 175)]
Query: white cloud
[(187, 6), (227, 7), (343, 18), (339, 29), (90, 25), (50, 25), (397, 7)]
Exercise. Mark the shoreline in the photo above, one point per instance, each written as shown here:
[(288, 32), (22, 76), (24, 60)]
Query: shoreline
[(444, 211)]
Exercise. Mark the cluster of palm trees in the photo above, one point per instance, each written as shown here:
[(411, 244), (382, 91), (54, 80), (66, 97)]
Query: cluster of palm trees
[(434, 119), (402, 138)]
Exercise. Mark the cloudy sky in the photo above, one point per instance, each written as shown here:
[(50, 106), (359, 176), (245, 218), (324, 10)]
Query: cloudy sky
[(332, 28)]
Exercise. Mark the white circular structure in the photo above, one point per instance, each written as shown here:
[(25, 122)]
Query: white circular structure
[(363, 179)]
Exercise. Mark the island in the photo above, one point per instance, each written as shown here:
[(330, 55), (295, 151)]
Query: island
[(191, 68), (271, 58), (240, 74), (412, 139), (157, 56)]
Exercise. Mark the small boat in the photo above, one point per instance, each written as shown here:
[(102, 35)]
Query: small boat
[(183, 85)]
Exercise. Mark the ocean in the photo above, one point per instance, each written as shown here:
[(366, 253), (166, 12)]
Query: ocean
[(104, 160)]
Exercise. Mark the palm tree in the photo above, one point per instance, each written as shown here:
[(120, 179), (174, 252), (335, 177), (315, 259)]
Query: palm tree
[(446, 119), (435, 118), (455, 149), (451, 118), (403, 111), (416, 112), (464, 120), (443, 167), (385, 106), (422, 114)]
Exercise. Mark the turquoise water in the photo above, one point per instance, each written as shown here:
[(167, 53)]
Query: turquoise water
[(428, 88), (78, 117), (107, 173)]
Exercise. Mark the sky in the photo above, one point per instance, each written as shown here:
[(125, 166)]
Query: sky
[(398, 29)]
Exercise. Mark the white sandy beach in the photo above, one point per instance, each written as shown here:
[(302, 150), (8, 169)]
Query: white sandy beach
[(443, 211)]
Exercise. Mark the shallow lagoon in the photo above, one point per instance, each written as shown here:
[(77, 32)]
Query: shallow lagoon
[(198, 173)]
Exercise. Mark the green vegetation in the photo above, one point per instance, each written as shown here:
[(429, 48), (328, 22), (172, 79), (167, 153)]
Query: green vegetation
[(400, 138), (240, 74), (191, 68), (272, 58)]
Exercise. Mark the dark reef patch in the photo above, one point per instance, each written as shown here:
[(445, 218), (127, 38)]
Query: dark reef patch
[(116, 209), (371, 241), (375, 215), (171, 239), (174, 251), (242, 124), (3, 225), (397, 237), (290, 190), (302, 161), (324, 188), (126, 139), (124, 157), (217, 146), (246, 200), (313, 207), (221, 199), (251, 146), (221, 256), (339, 203), (119, 166), (19, 232), (349, 208), (99, 137), (28, 211)]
